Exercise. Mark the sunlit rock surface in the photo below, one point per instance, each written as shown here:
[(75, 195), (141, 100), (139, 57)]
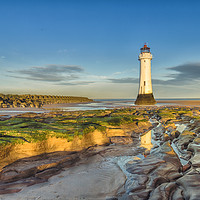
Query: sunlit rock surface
[(127, 164)]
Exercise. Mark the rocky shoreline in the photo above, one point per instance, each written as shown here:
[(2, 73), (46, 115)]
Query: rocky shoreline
[(171, 169), (168, 168)]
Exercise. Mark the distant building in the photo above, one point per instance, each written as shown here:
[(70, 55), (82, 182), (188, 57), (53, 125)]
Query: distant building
[(145, 94)]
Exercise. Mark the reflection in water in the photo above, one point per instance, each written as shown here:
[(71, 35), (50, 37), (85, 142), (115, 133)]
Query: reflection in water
[(146, 141)]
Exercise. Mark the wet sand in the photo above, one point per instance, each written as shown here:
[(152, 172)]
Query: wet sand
[(181, 102), (17, 111)]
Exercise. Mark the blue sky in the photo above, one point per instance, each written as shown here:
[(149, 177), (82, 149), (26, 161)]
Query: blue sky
[(90, 47)]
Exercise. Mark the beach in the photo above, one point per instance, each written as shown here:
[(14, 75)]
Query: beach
[(134, 152), (181, 102)]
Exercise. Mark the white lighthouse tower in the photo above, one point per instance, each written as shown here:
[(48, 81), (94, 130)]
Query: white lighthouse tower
[(145, 95)]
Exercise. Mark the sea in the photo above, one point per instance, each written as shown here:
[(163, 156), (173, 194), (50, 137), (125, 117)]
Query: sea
[(102, 104), (98, 104)]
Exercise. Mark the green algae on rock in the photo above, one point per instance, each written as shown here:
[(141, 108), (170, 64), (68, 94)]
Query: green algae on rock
[(32, 134)]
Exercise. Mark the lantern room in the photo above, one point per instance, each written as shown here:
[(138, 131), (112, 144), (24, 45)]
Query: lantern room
[(145, 49)]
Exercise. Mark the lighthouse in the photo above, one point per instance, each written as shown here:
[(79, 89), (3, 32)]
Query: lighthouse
[(145, 94)]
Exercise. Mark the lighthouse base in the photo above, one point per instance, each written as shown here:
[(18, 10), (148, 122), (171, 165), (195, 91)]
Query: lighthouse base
[(145, 99)]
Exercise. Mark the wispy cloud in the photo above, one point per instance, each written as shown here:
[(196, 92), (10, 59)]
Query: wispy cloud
[(185, 74), (134, 80), (124, 80), (2, 57), (49, 73), (117, 73), (180, 75), (124, 72), (76, 83)]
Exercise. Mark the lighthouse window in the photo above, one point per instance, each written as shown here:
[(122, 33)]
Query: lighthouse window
[(144, 60), (144, 83)]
